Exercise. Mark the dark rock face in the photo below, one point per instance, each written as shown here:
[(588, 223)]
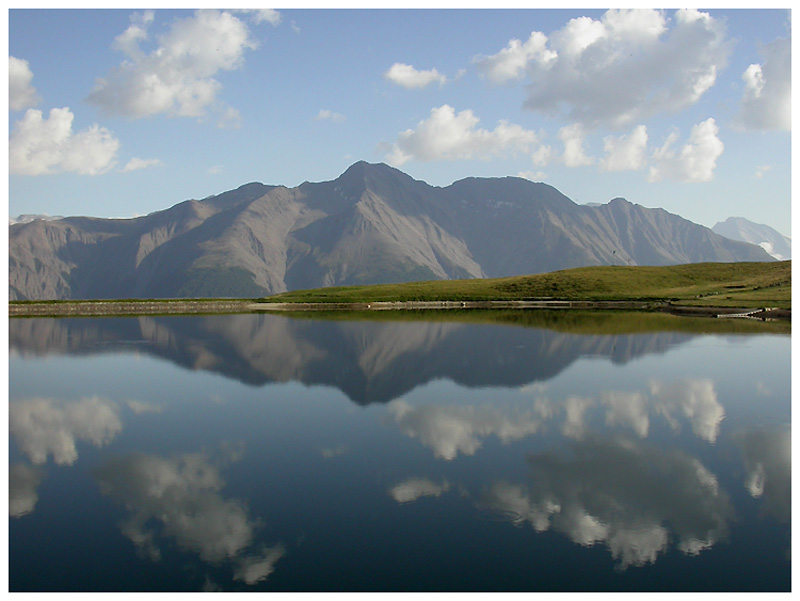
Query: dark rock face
[(373, 224)]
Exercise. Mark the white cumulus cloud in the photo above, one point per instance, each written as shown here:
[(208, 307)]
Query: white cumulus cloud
[(409, 77), (177, 77), (447, 135), (625, 153), (40, 145), (21, 93), (573, 137), (511, 62), (695, 161), (625, 66), (767, 99)]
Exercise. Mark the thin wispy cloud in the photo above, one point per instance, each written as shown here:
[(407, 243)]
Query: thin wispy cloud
[(135, 164), (264, 15), (328, 115), (762, 170)]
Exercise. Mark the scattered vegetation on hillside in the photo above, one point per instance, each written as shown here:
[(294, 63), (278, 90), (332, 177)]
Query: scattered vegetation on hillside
[(699, 284)]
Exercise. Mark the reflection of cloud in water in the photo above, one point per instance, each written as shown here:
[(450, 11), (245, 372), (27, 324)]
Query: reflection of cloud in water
[(331, 452), (514, 501), (413, 488), (762, 389), (768, 468), (575, 408), (627, 409), (449, 430), (182, 495), (45, 427), (23, 482), (622, 494), (138, 407), (696, 400), (252, 569)]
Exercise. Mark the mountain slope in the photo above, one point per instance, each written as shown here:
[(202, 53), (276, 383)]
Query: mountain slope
[(373, 224), (739, 228)]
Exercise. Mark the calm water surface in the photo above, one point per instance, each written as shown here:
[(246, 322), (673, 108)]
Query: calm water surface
[(264, 453)]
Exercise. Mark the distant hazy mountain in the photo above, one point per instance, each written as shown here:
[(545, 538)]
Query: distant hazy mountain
[(372, 224), (739, 228), (26, 218)]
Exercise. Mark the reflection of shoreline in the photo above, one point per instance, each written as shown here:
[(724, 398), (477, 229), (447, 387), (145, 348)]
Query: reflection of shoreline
[(210, 307)]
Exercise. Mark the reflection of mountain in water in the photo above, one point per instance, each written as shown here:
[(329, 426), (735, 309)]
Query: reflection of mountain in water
[(369, 361)]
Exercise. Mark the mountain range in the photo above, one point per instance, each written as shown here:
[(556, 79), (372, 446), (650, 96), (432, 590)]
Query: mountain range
[(373, 224)]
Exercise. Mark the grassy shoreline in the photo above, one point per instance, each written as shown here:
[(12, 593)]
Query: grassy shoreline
[(695, 289)]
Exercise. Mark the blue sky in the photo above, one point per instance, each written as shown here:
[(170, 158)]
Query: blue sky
[(116, 113)]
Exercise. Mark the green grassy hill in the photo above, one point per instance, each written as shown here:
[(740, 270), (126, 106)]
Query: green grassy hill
[(698, 284)]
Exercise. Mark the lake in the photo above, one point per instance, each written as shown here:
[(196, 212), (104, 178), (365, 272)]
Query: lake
[(469, 451)]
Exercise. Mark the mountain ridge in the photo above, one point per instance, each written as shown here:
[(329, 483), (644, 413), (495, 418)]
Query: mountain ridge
[(372, 224)]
